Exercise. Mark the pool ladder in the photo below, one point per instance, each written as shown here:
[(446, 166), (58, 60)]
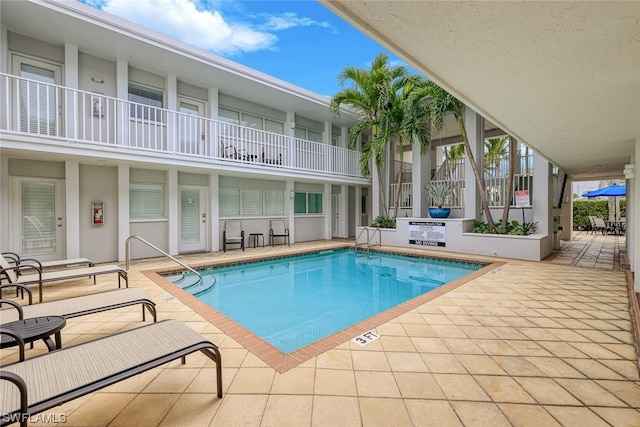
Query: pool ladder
[(370, 238), (152, 246)]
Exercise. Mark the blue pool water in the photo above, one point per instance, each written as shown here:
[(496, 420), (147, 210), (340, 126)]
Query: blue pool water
[(292, 302)]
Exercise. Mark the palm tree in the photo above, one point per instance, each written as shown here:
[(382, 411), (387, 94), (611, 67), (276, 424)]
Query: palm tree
[(495, 150), (452, 154), (368, 93), (404, 120), (440, 104), (513, 159)]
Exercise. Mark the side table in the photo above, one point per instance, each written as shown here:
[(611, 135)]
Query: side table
[(33, 329), (256, 239)]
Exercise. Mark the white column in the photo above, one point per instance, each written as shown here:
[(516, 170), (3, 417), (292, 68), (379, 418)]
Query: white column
[(214, 208), (289, 209), (358, 206), (122, 93), (70, 98), (420, 175), (124, 229), (173, 225), (632, 217), (290, 130), (172, 119), (475, 132), (214, 148), (326, 203), (344, 137), (343, 214), (72, 208), (5, 237), (543, 199), (633, 234), (290, 124), (4, 49)]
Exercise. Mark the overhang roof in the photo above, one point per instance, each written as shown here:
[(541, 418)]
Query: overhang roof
[(564, 77)]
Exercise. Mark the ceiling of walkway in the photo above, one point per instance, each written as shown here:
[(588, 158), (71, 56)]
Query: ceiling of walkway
[(564, 77)]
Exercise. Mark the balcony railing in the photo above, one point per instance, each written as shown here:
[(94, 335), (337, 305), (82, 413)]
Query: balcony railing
[(31, 107)]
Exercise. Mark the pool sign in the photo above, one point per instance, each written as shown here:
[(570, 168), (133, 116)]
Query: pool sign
[(365, 338), (522, 198), (427, 233)]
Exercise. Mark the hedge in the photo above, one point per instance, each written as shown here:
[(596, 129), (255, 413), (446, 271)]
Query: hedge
[(582, 209)]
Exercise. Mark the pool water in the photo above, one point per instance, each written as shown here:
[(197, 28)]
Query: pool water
[(292, 302)]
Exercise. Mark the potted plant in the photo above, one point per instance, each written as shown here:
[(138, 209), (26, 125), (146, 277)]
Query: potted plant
[(439, 192)]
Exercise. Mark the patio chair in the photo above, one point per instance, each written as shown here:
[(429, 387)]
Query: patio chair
[(15, 259), (30, 274), (272, 160), (79, 306), (232, 234), (51, 379), (278, 230), (600, 225)]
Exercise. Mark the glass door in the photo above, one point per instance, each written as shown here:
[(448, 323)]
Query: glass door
[(193, 219), (191, 127)]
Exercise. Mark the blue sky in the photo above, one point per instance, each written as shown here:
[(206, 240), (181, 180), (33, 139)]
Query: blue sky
[(301, 41)]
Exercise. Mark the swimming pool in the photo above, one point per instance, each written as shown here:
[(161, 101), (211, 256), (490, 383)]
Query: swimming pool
[(294, 301)]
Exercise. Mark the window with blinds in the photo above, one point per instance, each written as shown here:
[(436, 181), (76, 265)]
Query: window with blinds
[(146, 201), (189, 216), (38, 218), (250, 120), (250, 202), (38, 100), (148, 102)]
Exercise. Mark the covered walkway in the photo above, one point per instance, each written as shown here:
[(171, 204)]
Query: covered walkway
[(597, 250)]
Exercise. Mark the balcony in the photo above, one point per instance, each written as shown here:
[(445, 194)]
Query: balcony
[(42, 110)]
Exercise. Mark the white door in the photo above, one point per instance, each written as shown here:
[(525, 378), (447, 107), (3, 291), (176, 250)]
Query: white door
[(37, 218), (193, 219), (334, 215), (191, 127), (39, 108)]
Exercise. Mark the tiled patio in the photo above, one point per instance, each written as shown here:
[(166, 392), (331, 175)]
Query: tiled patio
[(526, 344)]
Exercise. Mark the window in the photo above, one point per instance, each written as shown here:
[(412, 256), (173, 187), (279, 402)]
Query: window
[(250, 202), (250, 120), (148, 101), (146, 201), (307, 203), (308, 134)]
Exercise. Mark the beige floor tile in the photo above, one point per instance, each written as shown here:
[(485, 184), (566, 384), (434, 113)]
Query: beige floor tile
[(406, 362), (377, 412), (145, 410), (561, 349), (477, 364), (571, 416), (370, 361), (391, 329), (192, 410), (626, 368), (376, 384), (518, 366), (496, 347), (418, 330), (595, 351), (478, 332), (460, 387), (233, 357), (503, 389), (172, 381), (432, 413), (462, 346), (590, 393), (529, 348), (625, 351), (251, 361), (443, 364), (335, 359), (418, 386), (335, 411), (478, 414), (252, 380), (619, 417), (547, 392), (134, 384), (626, 391), (335, 382), (284, 411), (99, 410), (392, 343), (430, 345), (555, 367), (296, 381), (528, 415), (594, 369), (205, 380), (240, 410), (448, 331)]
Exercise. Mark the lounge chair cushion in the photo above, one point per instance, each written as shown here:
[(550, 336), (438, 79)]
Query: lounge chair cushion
[(60, 376)]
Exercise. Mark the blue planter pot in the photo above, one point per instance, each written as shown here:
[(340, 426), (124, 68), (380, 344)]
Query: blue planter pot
[(439, 212)]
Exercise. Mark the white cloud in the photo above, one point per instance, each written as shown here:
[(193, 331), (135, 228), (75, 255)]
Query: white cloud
[(180, 19), (290, 20)]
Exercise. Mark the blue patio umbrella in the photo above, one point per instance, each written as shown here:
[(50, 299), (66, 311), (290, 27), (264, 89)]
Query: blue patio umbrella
[(614, 190)]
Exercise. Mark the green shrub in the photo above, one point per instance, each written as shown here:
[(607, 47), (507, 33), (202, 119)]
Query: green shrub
[(583, 209), (383, 222), (513, 228)]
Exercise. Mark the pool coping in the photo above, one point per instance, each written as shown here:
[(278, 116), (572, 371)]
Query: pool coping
[(280, 361)]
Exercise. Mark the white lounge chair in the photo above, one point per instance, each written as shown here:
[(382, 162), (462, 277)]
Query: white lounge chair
[(46, 381), (15, 259), (79, 306), (29, 274), (278, 230)]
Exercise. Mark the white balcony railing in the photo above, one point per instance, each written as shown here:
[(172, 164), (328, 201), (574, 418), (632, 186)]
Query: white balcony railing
[(35, 108)]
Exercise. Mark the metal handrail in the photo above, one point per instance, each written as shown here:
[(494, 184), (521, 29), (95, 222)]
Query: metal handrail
[(127, 252), (369, 238)]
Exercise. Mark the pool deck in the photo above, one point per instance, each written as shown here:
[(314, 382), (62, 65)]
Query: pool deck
[(529, 343)]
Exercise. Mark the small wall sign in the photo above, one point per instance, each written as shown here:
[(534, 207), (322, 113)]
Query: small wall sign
[(365, 338)]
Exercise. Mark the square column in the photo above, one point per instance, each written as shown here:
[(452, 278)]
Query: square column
[(475, 132)]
